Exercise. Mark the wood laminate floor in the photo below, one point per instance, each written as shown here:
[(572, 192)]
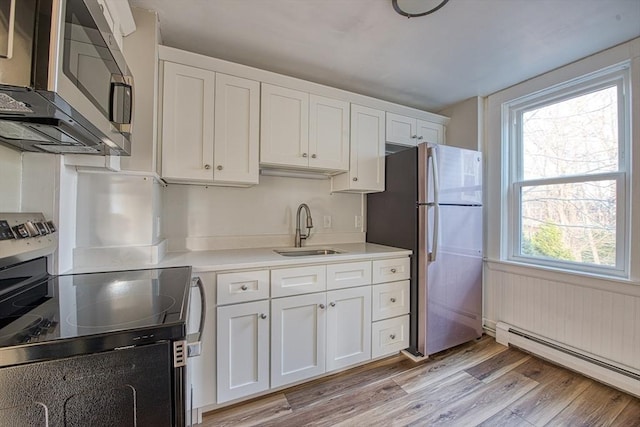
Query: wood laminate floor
[(476, 384)]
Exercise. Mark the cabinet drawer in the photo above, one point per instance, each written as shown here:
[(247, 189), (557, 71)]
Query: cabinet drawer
[(389, 336), (390, 300), (348, 275), (243, 286), (390, 270), (298, 280)]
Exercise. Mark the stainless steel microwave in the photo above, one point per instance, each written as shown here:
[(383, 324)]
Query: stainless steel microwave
[(64, 83)]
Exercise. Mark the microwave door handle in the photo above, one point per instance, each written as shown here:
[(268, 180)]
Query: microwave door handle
[(119, 86), (432, 154), (194, 347), (8, 7)]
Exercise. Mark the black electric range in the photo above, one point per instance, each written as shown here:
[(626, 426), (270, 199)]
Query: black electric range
[(108, 348), (45, 316)]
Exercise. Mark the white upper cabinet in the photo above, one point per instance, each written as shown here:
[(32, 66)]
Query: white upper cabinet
[(210, 127), (328, 133), (284, 131), (430, 132), (237, 130), (187, 123), (303, 131), (366, 166), (403, 130)]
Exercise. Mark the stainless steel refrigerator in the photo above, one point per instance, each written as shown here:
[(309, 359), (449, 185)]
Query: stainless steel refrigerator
[(433, 205)]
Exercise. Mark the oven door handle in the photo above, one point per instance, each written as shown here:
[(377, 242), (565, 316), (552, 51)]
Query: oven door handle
[(194, 344)]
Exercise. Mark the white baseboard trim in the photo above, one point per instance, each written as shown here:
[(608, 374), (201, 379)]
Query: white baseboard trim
[(622, 379)]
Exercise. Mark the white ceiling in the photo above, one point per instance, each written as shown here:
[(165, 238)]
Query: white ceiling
[(467, 48)]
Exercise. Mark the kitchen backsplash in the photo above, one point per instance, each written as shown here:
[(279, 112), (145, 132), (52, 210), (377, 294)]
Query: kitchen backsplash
[(200, 218)]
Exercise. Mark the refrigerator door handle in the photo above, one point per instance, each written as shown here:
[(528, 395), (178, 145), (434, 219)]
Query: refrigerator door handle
[(432, 154)]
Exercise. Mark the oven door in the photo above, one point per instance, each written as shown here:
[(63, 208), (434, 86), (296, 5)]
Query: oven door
[(91, 74), (128, 387)]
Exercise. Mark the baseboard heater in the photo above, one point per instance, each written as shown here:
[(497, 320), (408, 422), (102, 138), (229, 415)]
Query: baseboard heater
[(615, 376)]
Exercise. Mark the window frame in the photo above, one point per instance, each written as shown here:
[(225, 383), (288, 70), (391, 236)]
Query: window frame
[(512, 112)]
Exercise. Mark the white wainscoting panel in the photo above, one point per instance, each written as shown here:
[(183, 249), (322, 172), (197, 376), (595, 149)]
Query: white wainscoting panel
[(605, 324)]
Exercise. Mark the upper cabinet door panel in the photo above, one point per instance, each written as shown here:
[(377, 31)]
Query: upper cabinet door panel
[(328, 133), (430, 132), (237, 127), (284, 129), (187, 122), (401, 130), (367, 148)]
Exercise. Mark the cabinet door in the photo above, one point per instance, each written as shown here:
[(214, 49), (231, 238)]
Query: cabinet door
[(284, 128), (430, 132), (187, 123), (328, 133), (401, 130), (243, 350), (348, 327), (298, 336), (367, 148), (237, 126)]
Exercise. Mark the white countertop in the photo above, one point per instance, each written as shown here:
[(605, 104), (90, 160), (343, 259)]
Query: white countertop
[(237, 259)]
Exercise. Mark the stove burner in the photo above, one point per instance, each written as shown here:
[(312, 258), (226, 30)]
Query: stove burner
[(119, 312)]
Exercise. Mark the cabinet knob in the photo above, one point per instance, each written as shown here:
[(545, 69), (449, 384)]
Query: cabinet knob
[(392, 336), (244, 287), (304, 154), (313, 156), (263, 316), (355, 178), (219, 167), (414, 136), (332, 304), (420, 137), (393, 300), (207, 166), (321, 306), (393, 270)]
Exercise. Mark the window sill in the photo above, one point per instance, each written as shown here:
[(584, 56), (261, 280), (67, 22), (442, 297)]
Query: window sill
[(587, 280)]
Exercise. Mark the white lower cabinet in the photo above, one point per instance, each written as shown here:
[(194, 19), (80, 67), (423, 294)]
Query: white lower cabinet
[(272, 327), (348, 327), (243, 350), (389, 336), (298, 333)]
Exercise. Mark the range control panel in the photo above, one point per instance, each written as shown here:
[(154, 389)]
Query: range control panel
[(24, 233)]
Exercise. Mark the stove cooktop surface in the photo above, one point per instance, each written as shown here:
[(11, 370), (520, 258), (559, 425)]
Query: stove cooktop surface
[(73, 314)]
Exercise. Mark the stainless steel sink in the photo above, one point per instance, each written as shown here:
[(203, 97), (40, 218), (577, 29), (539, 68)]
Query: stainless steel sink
[(306, 252)]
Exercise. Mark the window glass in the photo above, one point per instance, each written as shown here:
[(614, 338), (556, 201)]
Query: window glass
[(575, 136), (570, 222)]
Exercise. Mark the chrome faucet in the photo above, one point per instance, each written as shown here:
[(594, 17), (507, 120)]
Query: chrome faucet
[(299, 236)]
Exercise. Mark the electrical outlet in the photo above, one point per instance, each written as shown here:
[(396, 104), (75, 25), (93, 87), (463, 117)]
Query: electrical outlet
[(358, 221), (327, 221)]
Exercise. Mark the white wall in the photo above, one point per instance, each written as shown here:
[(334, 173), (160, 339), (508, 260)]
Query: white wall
[(198, 217), (465, 128), (10, 176), (141, 53), (594, 315)]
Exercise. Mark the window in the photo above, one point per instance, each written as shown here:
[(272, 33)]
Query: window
[(569, 175)]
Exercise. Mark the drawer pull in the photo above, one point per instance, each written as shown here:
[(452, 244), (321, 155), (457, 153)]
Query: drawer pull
[(393, 270), (393, 300), (332, 304), (244, 287), (263, 316), (321, 306), (392, 336)]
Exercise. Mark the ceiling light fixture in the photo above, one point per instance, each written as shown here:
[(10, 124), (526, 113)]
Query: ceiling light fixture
[(415, 8)]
